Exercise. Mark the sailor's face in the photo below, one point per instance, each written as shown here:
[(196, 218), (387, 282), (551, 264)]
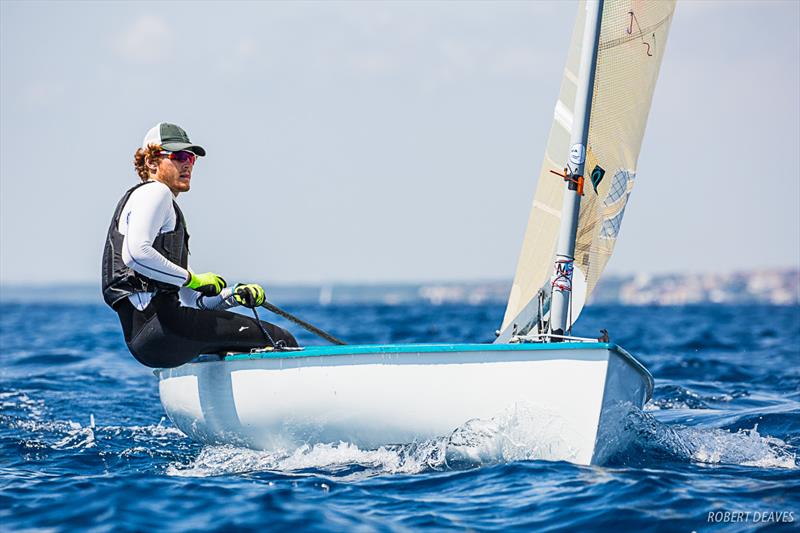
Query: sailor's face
[(175, 174)]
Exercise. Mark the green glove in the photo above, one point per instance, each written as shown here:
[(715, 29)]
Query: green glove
[(249, 295), (208, 283)]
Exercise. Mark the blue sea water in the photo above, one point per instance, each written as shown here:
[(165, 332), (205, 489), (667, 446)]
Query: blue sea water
[(84, 443)]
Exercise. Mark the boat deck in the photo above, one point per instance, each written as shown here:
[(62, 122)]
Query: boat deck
[(356, 349)]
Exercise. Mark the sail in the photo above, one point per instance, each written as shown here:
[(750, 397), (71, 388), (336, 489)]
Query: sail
[(535, 263), (633, 34)]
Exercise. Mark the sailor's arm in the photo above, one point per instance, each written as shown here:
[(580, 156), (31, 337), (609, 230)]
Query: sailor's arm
[(248, 295), (224, 300), (147, 213)]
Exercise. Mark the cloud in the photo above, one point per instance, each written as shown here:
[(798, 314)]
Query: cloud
[(458, 60), (246, 48), (518, 62), (237, 56), (715, 8), (43, 93), (372, 62), (145, 41)]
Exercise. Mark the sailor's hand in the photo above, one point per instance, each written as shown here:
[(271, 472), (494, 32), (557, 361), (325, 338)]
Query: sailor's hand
[(208, 283), (249, 295)]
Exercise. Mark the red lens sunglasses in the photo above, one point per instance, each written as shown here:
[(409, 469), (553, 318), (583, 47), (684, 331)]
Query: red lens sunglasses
[(182, 157)]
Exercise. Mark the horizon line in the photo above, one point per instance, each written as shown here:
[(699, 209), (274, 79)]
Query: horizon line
[(485, 280)]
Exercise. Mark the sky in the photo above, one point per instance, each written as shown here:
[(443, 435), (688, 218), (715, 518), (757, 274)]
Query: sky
[(382, 141)]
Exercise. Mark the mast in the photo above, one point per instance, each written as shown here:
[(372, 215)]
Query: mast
[(565, 251)]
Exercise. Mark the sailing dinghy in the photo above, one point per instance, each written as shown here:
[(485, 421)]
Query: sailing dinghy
[(375, 395)]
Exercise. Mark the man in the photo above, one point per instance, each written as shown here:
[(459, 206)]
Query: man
[(170, 314)]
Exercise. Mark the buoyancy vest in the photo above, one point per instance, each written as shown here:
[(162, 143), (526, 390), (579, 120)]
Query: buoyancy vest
[(119, 280)]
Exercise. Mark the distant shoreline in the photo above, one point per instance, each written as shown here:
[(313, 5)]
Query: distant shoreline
[(779, 286)]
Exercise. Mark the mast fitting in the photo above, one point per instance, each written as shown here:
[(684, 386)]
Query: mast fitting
[(562, 280), (575, 182)]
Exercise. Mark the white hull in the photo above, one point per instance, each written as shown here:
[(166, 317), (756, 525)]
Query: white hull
[(378, 395)]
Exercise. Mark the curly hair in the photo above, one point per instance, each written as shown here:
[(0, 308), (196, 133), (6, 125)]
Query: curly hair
[(140, 160)]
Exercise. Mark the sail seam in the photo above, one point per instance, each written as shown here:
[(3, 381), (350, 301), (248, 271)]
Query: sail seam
[(547, 209), (632, 37)]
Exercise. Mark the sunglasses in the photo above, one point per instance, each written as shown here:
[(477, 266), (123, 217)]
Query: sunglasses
[(182, 156)]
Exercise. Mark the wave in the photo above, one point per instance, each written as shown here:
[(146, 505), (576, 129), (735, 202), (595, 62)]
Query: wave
[(35, 430), (521, 434), (673, 396), (653, 442)]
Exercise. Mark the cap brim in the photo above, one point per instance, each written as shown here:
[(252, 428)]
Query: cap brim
[(177, 147)]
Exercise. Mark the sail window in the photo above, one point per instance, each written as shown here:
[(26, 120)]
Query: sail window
[(610, 228), (619, 186)]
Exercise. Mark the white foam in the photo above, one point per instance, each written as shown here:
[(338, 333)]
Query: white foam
[(33, 409), (745, 447), (29, 415), (330, 458), (521, 433), (518, 434)]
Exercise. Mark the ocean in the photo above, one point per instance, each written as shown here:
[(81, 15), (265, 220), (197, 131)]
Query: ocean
[(85, 445)]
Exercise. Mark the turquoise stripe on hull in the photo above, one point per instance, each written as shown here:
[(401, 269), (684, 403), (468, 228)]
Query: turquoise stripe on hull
[(372, 349), (362, 349)]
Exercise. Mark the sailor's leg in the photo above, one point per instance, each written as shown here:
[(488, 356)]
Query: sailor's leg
[(216, 331), (172, 334)]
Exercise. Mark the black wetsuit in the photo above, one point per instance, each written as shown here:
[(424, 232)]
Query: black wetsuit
[(166, 334), (159, 330)]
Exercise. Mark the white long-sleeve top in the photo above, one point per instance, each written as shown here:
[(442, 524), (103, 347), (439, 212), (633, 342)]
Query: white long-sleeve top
[(148, 213)]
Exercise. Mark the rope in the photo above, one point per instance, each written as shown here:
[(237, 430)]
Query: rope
[(303, 324), (569, 329), (641, 33), (264, 330)]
